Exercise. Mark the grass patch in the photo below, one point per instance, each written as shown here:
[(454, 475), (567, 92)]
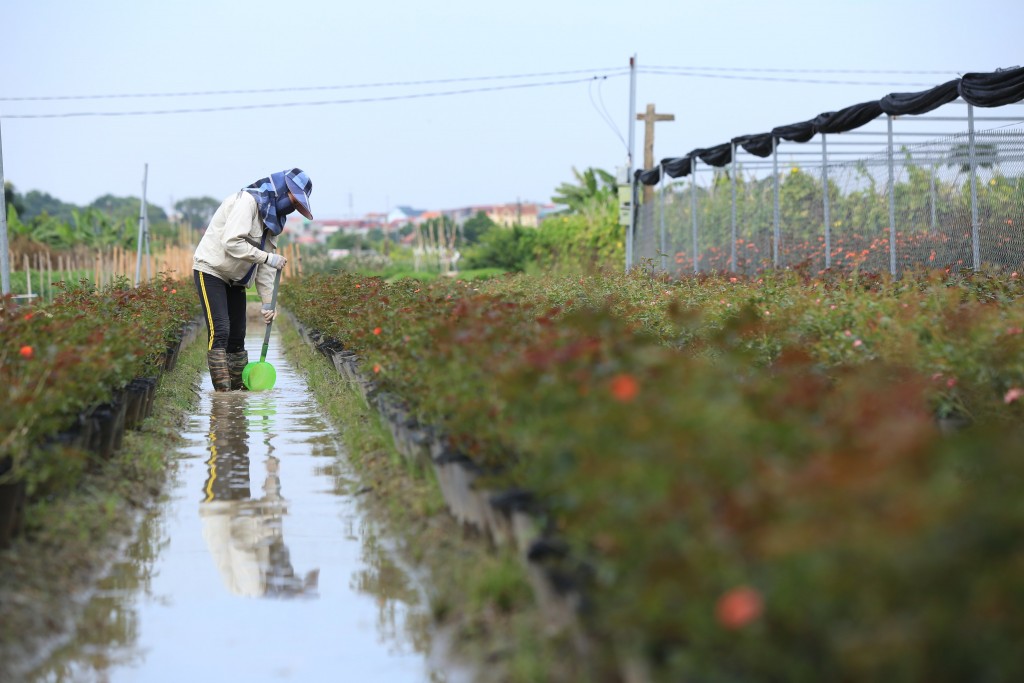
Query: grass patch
[(477, 593), (69, 541)]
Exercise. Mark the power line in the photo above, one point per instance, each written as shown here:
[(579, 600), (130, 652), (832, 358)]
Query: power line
[(263, 91), (657, 71), (278, 105), (602, 111), (806, 71), (688, 70)]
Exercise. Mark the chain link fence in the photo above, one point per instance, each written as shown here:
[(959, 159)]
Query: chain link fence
[(755, 214)]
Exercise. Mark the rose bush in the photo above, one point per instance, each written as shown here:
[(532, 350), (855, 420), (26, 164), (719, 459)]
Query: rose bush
[(61, 359), (749, 470)]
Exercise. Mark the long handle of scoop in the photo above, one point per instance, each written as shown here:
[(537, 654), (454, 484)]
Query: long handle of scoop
[(273, 305)]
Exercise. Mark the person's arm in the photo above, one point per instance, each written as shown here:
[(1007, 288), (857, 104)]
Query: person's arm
[(265, 284)]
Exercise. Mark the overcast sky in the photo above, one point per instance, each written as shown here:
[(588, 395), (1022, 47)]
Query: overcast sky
[(440, 152)]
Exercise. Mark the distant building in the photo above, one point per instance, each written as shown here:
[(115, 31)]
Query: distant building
[(319, 231), (514, 214), (400, 215), (426, 216), (527, 214)]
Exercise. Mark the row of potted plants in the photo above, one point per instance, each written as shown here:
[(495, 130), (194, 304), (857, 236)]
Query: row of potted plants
[(75, 374), (740, 479)]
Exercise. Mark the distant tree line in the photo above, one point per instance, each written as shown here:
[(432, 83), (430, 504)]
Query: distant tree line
[(39, 220)]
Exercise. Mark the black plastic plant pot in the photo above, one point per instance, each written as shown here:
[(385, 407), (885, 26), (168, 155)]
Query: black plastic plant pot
[(86, 430), (103, 441), (173, 349), (135, 399), (120, 407), (150, 384), (12, 501)]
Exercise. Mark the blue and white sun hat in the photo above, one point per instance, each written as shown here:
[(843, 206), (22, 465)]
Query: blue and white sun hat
[(271, 194), (301, 186)]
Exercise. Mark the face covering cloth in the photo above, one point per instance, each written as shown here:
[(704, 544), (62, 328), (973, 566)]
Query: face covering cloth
[(272, 202)]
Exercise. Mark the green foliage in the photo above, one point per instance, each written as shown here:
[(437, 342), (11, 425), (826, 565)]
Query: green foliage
[(197, 211), (924, 201), (511, 249), (12, 200), (587, 237), (36, 203), (124, 208), (585, 240), (60, 359), (721, 437), (476, 227), (342, 240), (41, 219), (593, 186)]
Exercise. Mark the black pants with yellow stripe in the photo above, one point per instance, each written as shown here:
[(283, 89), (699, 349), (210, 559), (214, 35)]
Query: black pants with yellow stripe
[(224, 310)]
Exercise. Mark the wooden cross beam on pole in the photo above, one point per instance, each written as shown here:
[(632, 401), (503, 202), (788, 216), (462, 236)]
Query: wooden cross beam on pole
[(649, 118)]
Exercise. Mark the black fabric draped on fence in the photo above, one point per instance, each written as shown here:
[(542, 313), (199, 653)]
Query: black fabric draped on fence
[(994, 89), (851, 117), (1005, 86), (759, 145), (795, 132), (910, 103)]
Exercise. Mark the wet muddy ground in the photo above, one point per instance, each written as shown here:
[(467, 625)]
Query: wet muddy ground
[(261, 564)]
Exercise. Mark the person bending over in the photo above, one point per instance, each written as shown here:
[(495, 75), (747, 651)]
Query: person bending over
[(239, 249)]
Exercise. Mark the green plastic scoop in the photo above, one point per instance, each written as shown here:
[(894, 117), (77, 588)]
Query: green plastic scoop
[(261, 375)]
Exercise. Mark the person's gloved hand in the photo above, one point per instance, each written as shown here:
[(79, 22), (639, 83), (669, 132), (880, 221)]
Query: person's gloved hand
[(268, 313), (276, 261)]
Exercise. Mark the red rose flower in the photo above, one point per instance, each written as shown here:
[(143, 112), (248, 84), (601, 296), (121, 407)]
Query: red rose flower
[(739, 607), (624, 387)]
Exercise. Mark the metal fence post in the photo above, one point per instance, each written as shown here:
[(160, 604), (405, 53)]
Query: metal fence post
[(693, 212), (892, 198), (931, 190), (661, 220), (972, 158), (629, 230), (732, 253), (825, 203), (629, 166), (775, 216), (142, 228)]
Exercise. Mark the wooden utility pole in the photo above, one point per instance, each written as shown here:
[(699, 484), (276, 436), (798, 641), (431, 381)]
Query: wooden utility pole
[(649, 117)]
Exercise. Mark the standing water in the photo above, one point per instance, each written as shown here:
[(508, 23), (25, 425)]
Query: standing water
[(260, 565)]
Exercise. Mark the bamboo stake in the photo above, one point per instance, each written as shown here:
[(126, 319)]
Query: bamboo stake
[(28, 274), (43, 277)]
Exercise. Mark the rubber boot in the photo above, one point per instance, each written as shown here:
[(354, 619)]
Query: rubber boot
[(237, 361), (217, 360)]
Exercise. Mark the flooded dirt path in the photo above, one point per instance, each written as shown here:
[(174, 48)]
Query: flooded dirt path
[(260, 565)]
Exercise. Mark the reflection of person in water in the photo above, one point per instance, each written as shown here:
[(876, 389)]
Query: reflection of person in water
[(245, 535)]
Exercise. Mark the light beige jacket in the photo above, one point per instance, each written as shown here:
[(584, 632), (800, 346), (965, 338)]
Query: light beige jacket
[(231, 245)]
